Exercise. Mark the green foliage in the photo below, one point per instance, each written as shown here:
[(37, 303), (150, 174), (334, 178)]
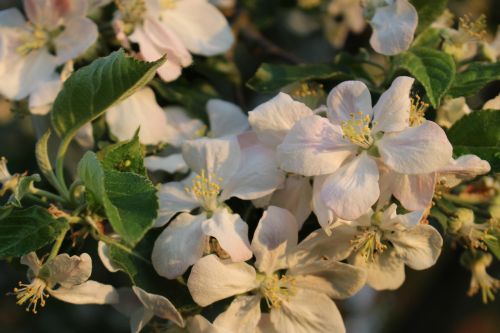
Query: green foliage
[(430, 37), (474, 78), (23, 231), (94, 88), (493, 244), (435, 70), (478, 133), (428, 11), (22, 189), (270, 77), (124, 156)]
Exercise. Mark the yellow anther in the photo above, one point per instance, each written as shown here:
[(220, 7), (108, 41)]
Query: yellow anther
[(475, 29), (357, 130), (168, 4), (276, 289), (34, 40), (132, 12), (417, 111), (205, 187), (369, 244), (32, 293)]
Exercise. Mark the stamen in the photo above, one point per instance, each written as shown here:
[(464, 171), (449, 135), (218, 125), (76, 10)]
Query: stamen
[(276, 289), (482, 280), (132, 12), (32, 293), (34, 40), (358, 130), (206, 188), (368, 244), (168, 4), (475, 29), (417, 111)]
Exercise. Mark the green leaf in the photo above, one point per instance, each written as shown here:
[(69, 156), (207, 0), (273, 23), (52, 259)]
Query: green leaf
[(493, 244), (23, 188), (42, 154), (478, 133), (474, 78), (435, 70), (270, 77), (92, 175), (94, 88), (23, 231), (124, 156), (430, 37), (428, 11)]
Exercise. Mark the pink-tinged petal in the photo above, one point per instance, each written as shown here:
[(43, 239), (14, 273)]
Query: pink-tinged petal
[(231, 232), (211, 280), (201, 27), (257, 175), (186, 128), (179, 246), (314, 147), (463, 168), (308, 311), (68, 271), (385, 272), (419, 247), (226, 118), (392, 111), (242, 315), (416, 150), (353, 189), (79, 34), (89, 292), (218, 158), (323, 213), (273, 119), (393, 27), (349, 98), (275, 236), (41, 100), (295, 196), (159, 305), (199, 324)]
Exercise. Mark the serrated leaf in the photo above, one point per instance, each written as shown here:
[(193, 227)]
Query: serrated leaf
[(435, 70), (23, 231), (124, 156), (478, 133), (92, 89), (271, 77), (22, 189), (474, 78), (428, 11)]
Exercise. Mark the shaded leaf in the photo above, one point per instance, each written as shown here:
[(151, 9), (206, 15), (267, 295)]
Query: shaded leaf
[(124, 156), (474, 78), (428, 11)]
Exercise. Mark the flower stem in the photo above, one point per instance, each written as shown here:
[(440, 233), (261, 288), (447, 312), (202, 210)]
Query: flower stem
[(47, 194), (61, 152), (57, 245)]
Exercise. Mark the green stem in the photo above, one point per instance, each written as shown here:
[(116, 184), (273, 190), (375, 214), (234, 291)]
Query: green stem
[(57, 245), (47, 194), (463, 203), (61, 152)]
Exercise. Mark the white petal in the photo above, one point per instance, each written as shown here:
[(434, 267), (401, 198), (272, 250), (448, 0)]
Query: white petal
[(393, 27), (419, 246), (336, 279), (187, 128), (31, 260), (241, 316), (463, 168), (103, 252), (200, 26), (129, 303), (212, 280), (273, 119), (415, 192), (231, 232), (308, 311), (40, 101), (11, 17), (265, 324), (421, 149), (349, 97), (179, 246), (174, 198), (139, 319), (85, 136), (257, 175), (159, 305), (225, 118), (387, 271), (68, 271), (171, 163), (90, 292), (392, 111), (313, 147), (215, 157), (138, 111), (353, 189), (199, 324), (295, 196), (323, 213), (78, 35), (274, 236), (493, 103)]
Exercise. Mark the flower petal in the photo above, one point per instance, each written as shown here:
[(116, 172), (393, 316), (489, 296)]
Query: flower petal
[(103, 252), (171, 163), (463, 168), (348, 98), (273, 119), (392, 111), (314, 147), (40, 101), (231, 232), (324, 214), (78, 35), (159, 305), (68, 271), (393, 27), (242, 315), (226, 118), (211, 280), (31, 260), (421, 149), (386, 271), (179, 246), (308, 311), (89, 292), (200, 26), (174, 198), (353, 189), (274, 236), (139, 319)]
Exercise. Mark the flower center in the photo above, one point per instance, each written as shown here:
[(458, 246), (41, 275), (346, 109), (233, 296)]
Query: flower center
[(473, 30), (168, 4), (276, 289), (132, 12), (32, 293), (35, 39), (206, 188), (357, 130), (417, 111), (368, 243)]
